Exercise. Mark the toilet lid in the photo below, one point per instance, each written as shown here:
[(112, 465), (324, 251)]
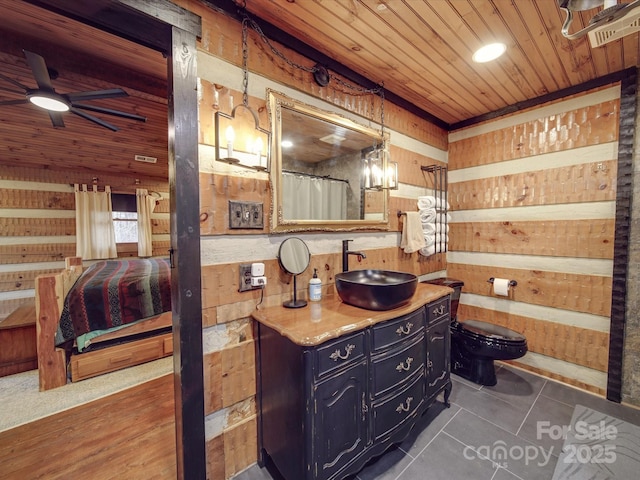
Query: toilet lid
[(491, 330)]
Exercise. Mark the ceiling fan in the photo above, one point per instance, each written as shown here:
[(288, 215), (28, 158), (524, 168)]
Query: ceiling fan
[(56, 103)]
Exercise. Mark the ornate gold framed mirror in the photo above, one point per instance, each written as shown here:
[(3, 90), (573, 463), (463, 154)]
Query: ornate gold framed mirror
[(317, 175)]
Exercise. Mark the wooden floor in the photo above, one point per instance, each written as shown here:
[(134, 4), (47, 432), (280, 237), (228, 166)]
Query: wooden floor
[(130, 434)]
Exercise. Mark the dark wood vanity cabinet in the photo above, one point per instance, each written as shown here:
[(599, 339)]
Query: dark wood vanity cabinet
[(438, 347), (325, 410)]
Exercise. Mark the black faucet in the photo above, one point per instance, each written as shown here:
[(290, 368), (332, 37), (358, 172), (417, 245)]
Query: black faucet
[(346, 253)]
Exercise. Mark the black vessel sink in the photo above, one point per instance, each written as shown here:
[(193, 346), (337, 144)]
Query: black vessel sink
[(376, 289)]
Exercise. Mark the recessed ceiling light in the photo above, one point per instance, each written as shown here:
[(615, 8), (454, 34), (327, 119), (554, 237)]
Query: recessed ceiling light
[(286, 143), (489, 52)]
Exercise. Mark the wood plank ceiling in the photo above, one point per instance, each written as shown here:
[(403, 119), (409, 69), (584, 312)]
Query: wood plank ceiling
[(85, 59), (421, 49)]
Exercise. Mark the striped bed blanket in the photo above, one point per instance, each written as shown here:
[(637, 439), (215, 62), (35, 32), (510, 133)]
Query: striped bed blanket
[(113, 293)]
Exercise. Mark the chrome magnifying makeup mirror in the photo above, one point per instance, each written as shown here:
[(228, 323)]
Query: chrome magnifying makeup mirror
[(294, 257)]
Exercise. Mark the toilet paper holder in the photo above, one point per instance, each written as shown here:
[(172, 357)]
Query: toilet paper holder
[(512, 283)]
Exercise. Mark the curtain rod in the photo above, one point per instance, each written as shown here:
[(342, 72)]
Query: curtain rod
[(323, 177), (119, 190)]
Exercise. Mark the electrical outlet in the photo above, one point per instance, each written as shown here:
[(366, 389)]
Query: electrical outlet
[(245, 278), (251, 276)]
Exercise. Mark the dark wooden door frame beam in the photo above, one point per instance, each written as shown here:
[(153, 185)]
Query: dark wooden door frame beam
[(163, 26), (622, 241)]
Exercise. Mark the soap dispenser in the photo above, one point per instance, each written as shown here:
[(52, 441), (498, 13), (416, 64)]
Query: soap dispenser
[(315, 287)]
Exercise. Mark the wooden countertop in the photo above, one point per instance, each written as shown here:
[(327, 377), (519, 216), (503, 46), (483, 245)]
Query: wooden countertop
[(331, 318)]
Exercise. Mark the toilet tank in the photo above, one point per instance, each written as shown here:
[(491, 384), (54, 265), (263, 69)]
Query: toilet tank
[(455, 296)]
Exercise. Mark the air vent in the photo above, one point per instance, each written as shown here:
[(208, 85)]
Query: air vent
[(609, 32), (145, 159)]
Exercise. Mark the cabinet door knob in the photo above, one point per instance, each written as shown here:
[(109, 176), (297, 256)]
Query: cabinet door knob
[(405, 330), (401, 408), (439, 311), (335, 356), (401, 366)]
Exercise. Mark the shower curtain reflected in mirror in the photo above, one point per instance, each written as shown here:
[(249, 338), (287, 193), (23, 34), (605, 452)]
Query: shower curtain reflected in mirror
[(313, 198)]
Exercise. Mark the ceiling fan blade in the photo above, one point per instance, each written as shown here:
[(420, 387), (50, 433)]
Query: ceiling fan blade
[(97, 94), (39, 69), (109, 111), (56, 119), (14, 102), (11, 91), (14, 82), (93, 119)]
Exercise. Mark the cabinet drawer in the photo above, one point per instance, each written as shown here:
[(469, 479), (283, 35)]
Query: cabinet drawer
[(438, 309), (391, 369), (393, 331), (390, 414), (335, 354), (110, 359)]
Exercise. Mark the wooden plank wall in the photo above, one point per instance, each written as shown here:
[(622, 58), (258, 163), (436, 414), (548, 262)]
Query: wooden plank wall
[(37, 225), (229, 363), (533, 200)]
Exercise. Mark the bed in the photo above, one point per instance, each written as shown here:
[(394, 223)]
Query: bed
[(112, 315)]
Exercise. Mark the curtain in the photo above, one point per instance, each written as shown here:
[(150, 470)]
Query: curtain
[(145, 205), (95, 238), (311, 198)]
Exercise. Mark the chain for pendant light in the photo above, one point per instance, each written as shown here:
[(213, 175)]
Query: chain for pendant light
[(314, 69), (248, 21), (382, 112), (245, 60)]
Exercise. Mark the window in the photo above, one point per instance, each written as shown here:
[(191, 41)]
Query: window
[(125, 217)]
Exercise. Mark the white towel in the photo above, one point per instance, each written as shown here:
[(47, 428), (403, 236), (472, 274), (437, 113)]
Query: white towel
[(430, 228), (439, 227), (443, 218), (412, 236), (427, 215), (431, 250), (429, 240), (439, 238), (429, 201)]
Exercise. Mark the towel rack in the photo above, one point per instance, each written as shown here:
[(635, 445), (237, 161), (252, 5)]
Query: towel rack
[(440, 187), (400, 213)]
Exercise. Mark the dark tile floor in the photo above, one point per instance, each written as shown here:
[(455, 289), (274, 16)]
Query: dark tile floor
[(506, 432)]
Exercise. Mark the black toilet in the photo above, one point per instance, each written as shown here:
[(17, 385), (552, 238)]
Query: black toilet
[(475, 344)]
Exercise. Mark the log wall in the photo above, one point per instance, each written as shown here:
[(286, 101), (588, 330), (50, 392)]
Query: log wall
[(37, 225), (529, 201), (533, 200)]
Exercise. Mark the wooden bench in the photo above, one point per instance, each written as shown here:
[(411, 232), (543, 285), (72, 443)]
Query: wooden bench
[(18, 352)]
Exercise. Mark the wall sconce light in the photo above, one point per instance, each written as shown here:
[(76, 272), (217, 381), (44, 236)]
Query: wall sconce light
[(378, 173), (391, 177), (242, 141)]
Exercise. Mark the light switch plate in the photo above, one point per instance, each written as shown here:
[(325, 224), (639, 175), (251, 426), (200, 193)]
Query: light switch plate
[(245, 215)]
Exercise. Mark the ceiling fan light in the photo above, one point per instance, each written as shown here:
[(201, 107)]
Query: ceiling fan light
[(50, 102), (489, 52)]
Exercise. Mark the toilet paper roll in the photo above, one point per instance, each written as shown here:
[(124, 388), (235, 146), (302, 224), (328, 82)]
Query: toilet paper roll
[(501, 286)]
